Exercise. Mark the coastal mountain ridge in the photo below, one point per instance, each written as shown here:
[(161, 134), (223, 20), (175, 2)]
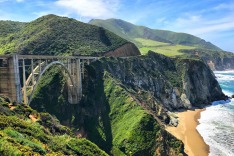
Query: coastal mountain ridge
[(54, 35), (126, 101), (169, 43), (131, 32)]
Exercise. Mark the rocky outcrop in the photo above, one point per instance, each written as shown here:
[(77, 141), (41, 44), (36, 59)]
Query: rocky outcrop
[(174, 83), (127, 101), (199, 84), (219, 63), (217, 60), (119, 119), (128, 49)]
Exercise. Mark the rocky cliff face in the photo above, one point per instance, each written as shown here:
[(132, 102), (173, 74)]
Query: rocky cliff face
[(128, 49), (119, 121), (175, 83), (217, 60), (218, 63), (199, 83), (126, 101)]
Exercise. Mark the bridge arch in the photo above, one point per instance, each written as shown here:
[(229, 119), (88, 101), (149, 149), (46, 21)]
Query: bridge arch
[(55, 63), (15, 81)]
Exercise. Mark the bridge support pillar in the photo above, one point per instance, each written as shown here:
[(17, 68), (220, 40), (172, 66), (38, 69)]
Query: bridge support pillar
[(12, 81), (17, 79), (75, 91)]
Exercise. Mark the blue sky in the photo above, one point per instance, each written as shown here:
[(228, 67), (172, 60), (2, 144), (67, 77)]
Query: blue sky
[(212, 20)]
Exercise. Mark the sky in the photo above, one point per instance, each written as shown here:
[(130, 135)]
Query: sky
[(212, 20)]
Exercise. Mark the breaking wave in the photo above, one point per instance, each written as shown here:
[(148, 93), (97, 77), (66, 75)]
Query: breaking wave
[(217, 121)]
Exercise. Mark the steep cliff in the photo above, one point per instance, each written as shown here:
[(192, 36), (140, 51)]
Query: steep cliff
[(199, 83), (126, 101), (220, 63), (128, 49), (116, 120), (217, 60), (176, 83)]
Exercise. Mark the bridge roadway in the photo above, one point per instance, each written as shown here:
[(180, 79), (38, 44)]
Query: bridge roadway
[(20, 74)]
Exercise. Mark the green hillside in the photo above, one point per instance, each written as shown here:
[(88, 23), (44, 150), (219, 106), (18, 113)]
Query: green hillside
[(24, 131), (167, 49), (112, 114), (54, 35), (167, 42), (8, 27)]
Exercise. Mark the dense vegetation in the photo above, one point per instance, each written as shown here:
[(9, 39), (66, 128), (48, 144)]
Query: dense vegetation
[(133, 33), (24, 131), (51, 95), (110, 113), (8, 27), (54, 35), (125, 100), (119, 122)]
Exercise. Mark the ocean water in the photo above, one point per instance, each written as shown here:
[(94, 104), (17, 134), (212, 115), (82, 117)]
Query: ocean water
[(217, 121)]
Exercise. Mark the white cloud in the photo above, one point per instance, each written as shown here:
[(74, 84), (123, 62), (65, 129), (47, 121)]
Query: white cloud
[(214, 28), (90, 8), (197, 24)]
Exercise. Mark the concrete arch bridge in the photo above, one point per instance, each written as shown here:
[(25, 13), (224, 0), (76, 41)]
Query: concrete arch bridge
[(20, 74)]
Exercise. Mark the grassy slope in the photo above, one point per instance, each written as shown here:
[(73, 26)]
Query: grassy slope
[(19, 135), (56, 35), (133, 129), (112, 117), (167, 49), (117, 122), (145, 37)]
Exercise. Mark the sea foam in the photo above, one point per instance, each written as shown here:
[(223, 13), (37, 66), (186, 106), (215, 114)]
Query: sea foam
[(217, 121)]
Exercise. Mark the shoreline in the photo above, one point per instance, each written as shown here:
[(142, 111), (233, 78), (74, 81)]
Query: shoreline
[(194, 144)]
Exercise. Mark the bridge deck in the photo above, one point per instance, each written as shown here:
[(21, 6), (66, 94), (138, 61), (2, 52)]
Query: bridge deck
[(50, 57)]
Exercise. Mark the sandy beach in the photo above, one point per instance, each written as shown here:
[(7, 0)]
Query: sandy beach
[(187, 132)]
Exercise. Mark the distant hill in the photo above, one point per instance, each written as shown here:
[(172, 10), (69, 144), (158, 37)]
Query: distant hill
[(169, 43), (8, 27), (54, 35), (152, 39)]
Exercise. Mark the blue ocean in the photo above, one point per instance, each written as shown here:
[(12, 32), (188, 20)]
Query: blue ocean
[(217, 121)]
